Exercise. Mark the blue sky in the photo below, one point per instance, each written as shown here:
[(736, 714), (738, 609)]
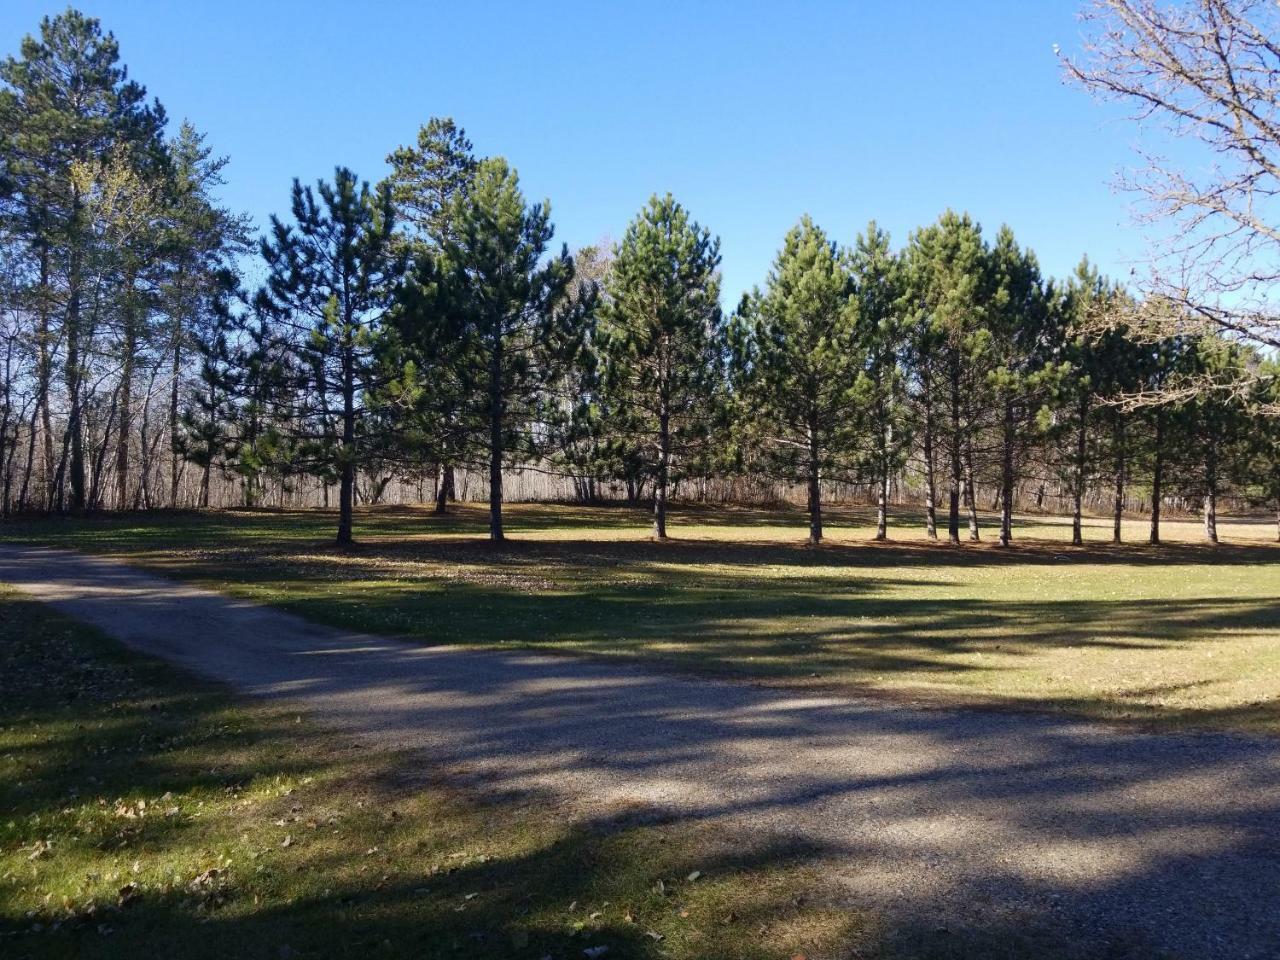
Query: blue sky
[(750, 113)]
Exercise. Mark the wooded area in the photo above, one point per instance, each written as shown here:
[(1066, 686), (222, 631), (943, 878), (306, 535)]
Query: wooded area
[(425, 325)]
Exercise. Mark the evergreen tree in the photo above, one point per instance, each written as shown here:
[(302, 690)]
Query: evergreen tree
[(330, 276), (1216, 428), (204, 239), (206, 438), (511, 327), (800, 370), (1025, 344), (948, 268), (1088, 296), (879, 282), (426, 181), (661, 343)]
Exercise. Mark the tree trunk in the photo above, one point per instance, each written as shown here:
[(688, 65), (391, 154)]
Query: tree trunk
[(1118, 441), (175, 463), (75, 434), (1211, 492), (1211, 516), (882, 504), (95, 491), (882, 492), (496, 412), (444, 487), (664, 469), (1006, 478), (347, 488), (957, 464), (126, 416), (31, 456), (971, 498), (930, 475), (1082, 440), (815, 490), (44, 377), (1157, 479)]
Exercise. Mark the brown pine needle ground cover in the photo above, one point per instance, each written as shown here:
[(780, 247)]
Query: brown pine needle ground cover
[(1182, 634)]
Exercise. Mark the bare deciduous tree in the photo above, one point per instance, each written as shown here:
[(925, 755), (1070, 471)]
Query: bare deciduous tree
[(1204, 77)]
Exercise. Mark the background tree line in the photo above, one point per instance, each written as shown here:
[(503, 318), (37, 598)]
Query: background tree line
[(425, 326)]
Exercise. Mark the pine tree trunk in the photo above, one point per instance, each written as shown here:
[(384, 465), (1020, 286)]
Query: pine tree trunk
[(957, 464), (664, 466), (346, 490), (204, 486), (1006, 479), (882, 492), (75, 431), (44, 378), (971, 498), (1082, 440), (496, 416), (930, 474), (1211, 492), (1118, 440), (815, 490), (1157, 480), (175, 462), (882, 504), (444, 487)]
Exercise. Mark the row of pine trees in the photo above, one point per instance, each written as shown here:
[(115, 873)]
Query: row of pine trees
[(427, 324)]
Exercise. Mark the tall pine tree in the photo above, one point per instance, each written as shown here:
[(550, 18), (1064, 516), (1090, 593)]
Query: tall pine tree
[(661, 342), (330, 277), (799, 361)]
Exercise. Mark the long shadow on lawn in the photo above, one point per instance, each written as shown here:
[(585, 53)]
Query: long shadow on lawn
[(123, 727), (981, 823)]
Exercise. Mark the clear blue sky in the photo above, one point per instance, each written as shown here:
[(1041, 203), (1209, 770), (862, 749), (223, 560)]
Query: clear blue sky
[(750, 113)]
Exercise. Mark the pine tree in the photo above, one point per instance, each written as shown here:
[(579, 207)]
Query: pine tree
[(948, 268), (426, 181), (799, 362), (1025, 344), (1216, 427), (204, 239), (879, 282), (330, 278), (661, 343), (511, 328), (1088, 296), (205, 437)]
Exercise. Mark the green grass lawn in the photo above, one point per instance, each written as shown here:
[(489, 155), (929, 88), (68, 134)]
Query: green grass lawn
[(1181, 634)]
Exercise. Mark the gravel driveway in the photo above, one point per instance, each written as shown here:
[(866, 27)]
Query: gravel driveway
[(1160, 843)]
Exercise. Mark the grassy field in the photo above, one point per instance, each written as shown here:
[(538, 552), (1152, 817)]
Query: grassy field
[(1175, 635)]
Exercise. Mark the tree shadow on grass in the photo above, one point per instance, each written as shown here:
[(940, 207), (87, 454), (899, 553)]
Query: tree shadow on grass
[(825, 827)]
